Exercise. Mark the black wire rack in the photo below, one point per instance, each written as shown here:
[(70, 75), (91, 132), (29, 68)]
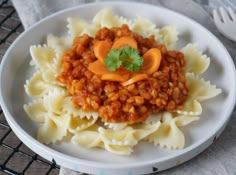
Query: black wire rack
[(15, 157)]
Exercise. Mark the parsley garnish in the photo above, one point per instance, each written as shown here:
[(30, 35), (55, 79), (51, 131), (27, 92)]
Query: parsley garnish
[(127, 56), (112, 60)]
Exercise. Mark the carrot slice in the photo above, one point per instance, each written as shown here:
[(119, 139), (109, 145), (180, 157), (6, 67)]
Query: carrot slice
[(119, 75), (98, 68), (101, 49), (151, 61), (125, 41), (135, 78), (115, 77)]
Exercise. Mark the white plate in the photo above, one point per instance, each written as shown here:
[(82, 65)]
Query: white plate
[(146, 158)]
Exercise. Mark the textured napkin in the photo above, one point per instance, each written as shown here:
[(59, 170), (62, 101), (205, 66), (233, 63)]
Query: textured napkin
[(220, 157)]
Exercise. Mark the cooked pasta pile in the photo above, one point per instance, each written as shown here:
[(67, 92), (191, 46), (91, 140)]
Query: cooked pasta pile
[(60, 113)]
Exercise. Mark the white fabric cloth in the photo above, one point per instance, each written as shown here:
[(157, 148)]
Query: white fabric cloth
[(220, 157)]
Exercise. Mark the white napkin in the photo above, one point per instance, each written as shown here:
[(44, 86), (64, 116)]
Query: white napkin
[(220, 157)]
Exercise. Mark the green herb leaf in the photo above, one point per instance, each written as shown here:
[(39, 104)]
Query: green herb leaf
[(124, 55), (127, 56), (133, 61), (112, 60)]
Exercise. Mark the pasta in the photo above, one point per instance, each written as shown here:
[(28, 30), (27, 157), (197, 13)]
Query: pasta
[(199, 90), (87, 139), (54, 128), (59, 44), (144, 26), (169, 135), (71, 110), (169, 36), (42, 56), (195, 61), (118, 149), (105, 18), (54, 100), (36, 110), (53, 106), (36, 86), (115, 126), (78, 123), (75, 26), (54, 122)]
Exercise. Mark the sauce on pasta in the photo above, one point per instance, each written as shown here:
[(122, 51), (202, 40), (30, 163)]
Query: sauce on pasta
[(163, 90)]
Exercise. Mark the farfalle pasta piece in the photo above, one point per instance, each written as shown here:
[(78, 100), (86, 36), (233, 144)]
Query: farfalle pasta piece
[(115, 126), (43, 56), (119, 149), (36, 86), (169, 135), (49, 75), (36, 110), (88, 138), (80, 123), (196, 62), (116, 141), (47, 111), (166, 117), (143, 26), (122, 137), (59, 44), (54, 100), (191, 107), (128, 135), (202, 89), (75, 111), (106, 18), (70, 108), (169, 36), (153, 118), (183, 120), (146, 28), (199, 90), (144, 130), (76, 26), (90, 30), (122, 20), (54, 128)]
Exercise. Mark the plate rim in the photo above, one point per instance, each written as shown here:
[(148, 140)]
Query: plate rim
[(20, 132)]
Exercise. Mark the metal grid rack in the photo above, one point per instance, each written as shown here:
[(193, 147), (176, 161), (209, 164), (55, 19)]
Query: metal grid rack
[(15, 157)]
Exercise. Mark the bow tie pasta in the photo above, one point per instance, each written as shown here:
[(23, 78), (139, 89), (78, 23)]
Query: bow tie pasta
[(113, 82)]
